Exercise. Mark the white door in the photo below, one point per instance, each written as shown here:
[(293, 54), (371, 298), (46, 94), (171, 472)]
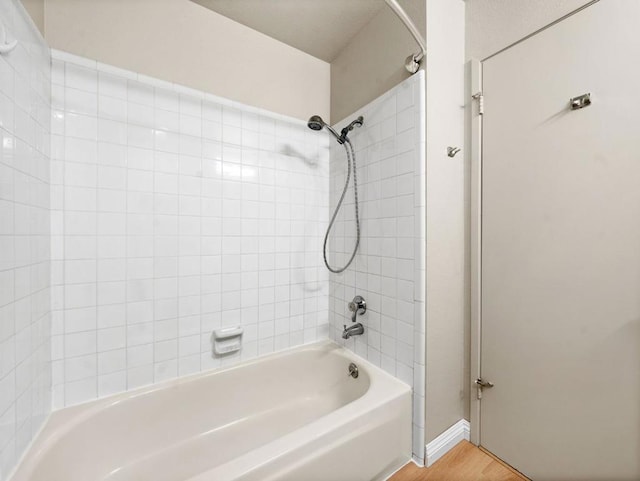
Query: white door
[(560, 315)]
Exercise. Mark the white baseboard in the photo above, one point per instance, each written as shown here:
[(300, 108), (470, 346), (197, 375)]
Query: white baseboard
[(447, 440)]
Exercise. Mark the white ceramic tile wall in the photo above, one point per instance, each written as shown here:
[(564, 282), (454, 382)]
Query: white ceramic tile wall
[(389, 268), (25, 322), (176, 213)]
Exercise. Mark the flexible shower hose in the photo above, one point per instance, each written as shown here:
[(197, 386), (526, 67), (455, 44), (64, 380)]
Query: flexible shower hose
[(351, 160)]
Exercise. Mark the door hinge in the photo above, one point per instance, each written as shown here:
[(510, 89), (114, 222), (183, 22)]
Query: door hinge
[(479, 97), (482, 384)]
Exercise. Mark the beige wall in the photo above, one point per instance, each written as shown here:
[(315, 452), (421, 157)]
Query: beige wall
[(35, 8), (182, 42), (447, 275), (495, 24), (373, 62)]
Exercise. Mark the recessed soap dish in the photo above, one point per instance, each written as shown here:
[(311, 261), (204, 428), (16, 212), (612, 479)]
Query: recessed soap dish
[(227, 340)]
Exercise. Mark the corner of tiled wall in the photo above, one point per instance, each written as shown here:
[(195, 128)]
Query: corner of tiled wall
[(25, 375), (389, 269)]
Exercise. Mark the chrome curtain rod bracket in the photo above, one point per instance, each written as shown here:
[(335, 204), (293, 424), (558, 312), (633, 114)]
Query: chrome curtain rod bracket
[(412, 64)]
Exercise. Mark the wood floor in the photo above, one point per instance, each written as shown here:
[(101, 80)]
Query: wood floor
[(465, 462)]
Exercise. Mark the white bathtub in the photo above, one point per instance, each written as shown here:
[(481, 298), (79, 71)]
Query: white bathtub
[(295, 415)]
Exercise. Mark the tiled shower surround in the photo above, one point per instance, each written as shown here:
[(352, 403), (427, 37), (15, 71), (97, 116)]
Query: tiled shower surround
[(25, 322), (388, 270), (175, 213), (137, 216)]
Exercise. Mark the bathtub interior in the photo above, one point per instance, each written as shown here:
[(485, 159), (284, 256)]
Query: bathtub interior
[(178, 429)]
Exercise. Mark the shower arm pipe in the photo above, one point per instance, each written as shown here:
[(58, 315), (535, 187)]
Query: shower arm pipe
[(413, 61)]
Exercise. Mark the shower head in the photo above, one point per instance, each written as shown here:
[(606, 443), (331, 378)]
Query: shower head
[(316, 123)]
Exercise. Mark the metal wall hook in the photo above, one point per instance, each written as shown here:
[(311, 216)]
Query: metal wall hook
[(452, 151), (6, 47), (580, 101)]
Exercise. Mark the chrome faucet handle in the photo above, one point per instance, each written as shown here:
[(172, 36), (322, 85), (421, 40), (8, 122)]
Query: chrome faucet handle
[(357, 306)]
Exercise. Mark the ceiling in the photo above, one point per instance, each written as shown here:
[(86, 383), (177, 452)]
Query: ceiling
[(321, 28)]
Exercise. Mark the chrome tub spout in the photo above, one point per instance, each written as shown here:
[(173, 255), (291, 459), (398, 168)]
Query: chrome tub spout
[(353, 330)]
